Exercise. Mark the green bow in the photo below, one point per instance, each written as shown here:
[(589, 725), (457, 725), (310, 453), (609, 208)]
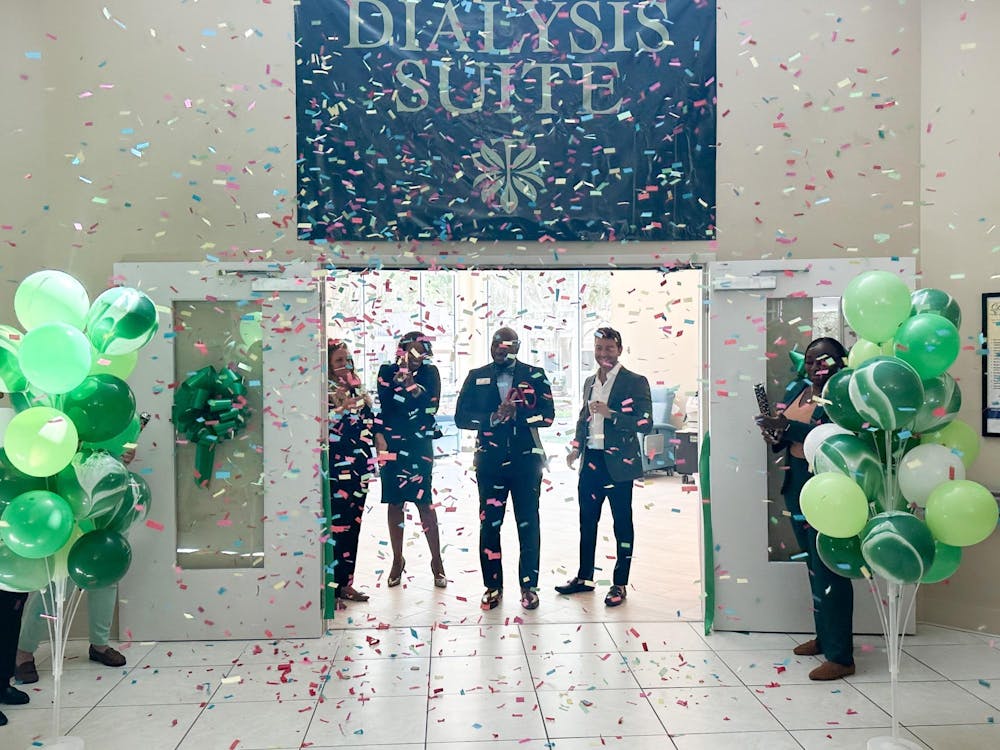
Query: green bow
[(210, 407)]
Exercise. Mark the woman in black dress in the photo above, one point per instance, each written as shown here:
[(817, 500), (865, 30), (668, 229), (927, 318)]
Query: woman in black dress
[(351, 465), (408, 393)]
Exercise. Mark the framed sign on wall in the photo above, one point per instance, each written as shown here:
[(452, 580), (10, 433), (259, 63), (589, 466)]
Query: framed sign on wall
[(991, 364)]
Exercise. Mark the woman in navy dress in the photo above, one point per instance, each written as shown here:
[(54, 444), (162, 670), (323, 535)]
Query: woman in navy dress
[(409, 391)]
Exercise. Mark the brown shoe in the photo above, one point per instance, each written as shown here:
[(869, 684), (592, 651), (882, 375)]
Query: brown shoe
[(26, 673), (108, 657), (830, 670), (809, 648)]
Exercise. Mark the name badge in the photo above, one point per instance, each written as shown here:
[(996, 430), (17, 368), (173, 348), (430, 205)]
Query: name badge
[(482, 381)]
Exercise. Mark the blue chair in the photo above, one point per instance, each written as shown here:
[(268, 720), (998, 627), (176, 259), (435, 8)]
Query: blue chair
[(658, 445)]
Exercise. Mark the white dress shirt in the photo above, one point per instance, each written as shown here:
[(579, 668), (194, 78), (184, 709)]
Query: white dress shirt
[(600, 392)]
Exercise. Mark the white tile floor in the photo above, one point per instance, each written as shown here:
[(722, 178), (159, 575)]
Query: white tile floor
[(569, 686), (570, 675)]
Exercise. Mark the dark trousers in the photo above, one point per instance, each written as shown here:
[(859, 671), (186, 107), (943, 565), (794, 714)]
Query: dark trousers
[(348, 493), (11, 607), (594, 486), (522, 482), (832, 594)]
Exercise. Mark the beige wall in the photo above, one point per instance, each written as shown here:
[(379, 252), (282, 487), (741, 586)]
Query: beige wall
[(823, 112), (960, 250)]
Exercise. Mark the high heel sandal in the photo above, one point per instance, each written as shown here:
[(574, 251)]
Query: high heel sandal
[(392, 580), (351, 594), (440, 579)]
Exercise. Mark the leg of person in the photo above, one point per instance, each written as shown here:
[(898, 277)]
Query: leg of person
[(100, 611), (590, 490), (797, 477), (11, 609), (394, 514), (493, 493), (33, 631), (358, 496), (525, 488), (620, 500), (834, 596), (429, 520)]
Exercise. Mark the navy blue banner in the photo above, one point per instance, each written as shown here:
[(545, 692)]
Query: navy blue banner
[(506, 120)]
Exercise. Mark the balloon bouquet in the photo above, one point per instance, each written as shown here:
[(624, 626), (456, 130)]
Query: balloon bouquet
[(66, 500), (889, 498)]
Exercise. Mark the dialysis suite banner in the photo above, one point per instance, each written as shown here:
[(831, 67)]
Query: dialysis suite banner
[(506, 120)]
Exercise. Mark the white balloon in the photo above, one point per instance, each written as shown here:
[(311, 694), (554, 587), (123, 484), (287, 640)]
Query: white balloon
[(817, 435), (5, 416), (924, 468)]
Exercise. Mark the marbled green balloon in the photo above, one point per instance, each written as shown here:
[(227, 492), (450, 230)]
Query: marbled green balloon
[(121, 320), (942, 402), (842, 556), (12, 377), (94, 484), (936, 301), (887, 393), (898, 546), (840, 408), (851, 456)]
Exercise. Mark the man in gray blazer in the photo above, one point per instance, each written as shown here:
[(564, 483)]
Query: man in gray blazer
[(616, 406)]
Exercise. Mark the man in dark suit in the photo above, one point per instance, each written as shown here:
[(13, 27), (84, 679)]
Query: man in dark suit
[(507, 402), (616, 406)]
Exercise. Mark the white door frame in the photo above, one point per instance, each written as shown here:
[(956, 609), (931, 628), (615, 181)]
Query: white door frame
[(160, 601), (752, 593)]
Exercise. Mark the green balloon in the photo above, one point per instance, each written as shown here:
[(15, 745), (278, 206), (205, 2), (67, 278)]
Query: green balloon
[(94, 484), (936, 301), (134, 507), (898, 546), (116, 445), (101, 407), (14, 482), (942, 402), (927, 342), (961, 513), (887, 393), (119, 365), (851, 456), (839, 407), (875, 303), (957, 436), (36, 524), (12, 377), (946, 562), (40, 441), (99, 558), (21, 573), (55, 357), (842, 556), (863, 350), (121, 320), (50, 297), (834, 505)]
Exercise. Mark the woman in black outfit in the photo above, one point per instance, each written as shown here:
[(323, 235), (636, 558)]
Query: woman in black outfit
[(833, 595), (351, 465), (408, 394)]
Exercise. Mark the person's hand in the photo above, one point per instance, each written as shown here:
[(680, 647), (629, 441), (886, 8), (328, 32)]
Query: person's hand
[(506, 411), (128, 456), (600, 407), (772, 429), (380, 445), (571, 457)]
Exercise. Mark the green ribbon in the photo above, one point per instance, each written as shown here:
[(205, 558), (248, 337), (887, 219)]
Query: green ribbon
[(210, 407), (708, 575)]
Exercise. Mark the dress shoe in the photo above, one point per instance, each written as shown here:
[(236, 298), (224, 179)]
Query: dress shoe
[(440, 579), (13, 697), (351, 594), (3, 719), (396, 573), (529, 599), (574, 586), (809, 648), (491, 599), (616, 596), (26, 673), (830, 670), (108, 657)]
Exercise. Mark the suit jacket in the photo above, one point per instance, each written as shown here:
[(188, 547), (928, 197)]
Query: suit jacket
[(631, 403), (516, 440)]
